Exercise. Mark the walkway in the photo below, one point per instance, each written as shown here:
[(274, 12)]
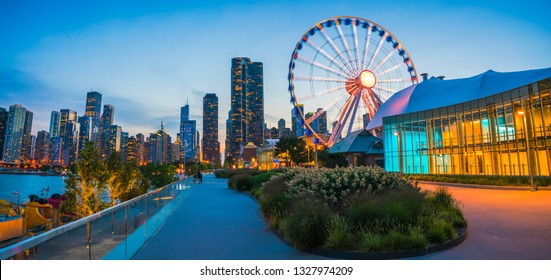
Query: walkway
[(503, 224), (216, 223)]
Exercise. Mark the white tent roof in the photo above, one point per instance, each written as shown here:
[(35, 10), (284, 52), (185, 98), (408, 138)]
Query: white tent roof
[(436, 93)]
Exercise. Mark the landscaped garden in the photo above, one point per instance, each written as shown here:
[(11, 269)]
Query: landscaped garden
[(361, 209)]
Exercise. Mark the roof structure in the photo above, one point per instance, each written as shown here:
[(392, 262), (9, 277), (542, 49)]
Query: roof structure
[(360, 141), (436, 93)]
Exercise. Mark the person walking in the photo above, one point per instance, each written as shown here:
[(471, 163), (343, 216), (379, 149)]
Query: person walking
[(199, 176)]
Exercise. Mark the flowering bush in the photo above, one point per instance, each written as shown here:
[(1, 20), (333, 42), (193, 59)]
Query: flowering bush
[(335, 187)]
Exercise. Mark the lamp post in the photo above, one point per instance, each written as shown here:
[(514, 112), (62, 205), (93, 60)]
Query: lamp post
[(525, 126), (397, 133)]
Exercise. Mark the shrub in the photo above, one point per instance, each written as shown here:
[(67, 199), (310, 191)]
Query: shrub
[(272, 198), (241, 182), (371, 242), (305, 226), (258, 180), (221, 173), (395, 241), (417, 239), (439, 231), (339, 234), (483, 179)]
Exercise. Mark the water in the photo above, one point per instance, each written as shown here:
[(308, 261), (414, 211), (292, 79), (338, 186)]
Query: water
[(27, 185)]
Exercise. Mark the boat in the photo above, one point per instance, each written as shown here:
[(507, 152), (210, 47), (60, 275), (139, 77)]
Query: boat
[(11, 221)]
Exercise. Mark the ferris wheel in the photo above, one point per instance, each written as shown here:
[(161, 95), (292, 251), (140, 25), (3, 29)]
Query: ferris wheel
[(341, 71)]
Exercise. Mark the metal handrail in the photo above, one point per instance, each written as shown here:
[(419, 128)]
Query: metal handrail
[(36, 240)]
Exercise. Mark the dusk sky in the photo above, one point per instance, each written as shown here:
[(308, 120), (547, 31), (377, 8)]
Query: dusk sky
[(148, 57)]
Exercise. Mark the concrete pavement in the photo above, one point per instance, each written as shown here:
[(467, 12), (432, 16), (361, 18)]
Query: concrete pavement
[(216, 223), (503, 224)]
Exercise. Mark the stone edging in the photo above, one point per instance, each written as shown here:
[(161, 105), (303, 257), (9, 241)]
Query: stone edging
[(352, 255)]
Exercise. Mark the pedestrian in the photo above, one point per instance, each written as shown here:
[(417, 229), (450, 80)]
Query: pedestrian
[(199, 176)]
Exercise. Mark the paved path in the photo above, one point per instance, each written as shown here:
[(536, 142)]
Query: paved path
[(216, 223), (503, 224)]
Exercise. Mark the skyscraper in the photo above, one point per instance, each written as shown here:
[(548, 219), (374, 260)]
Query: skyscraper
[(54, 124), (112, 140), (211, 146), (106, 121), (3, 128), (14, 133), (42, 147), (93, 109), (187, 134), (26, 144), (322, 121), (296, 120), (124, 145), (85, 131), (70, 142), (66, 115), (281, 128), (159, 146), (247, 105)]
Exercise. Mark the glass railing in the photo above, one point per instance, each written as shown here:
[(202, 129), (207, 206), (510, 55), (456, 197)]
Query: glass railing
[(115, 233)]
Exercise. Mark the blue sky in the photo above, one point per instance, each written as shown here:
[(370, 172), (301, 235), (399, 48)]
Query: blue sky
[(148, 57)]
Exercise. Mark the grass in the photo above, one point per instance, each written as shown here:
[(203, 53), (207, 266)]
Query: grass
[(540, 181), (305, 226)]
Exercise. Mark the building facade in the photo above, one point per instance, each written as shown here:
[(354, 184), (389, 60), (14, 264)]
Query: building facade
[(500, 126), (188, 130), (14, 134), (3, 128), (42, 147), (93, 110), (211, 145), (55, 119), (247, 106), (26, 144)]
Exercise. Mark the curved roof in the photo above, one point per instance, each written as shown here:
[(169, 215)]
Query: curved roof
[(435, 93), (360, 141)]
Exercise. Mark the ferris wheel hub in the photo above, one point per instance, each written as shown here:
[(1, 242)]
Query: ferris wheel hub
[(367, 79)]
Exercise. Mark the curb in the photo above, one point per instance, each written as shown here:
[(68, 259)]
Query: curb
[(484, 187), (352, 255)]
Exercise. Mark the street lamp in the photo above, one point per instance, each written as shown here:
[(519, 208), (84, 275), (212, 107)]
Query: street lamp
[(532, 187), (399, 150)]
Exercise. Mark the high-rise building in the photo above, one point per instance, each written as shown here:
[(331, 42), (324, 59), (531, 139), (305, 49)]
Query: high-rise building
[(211, 145), (70, 142), (229, 136), (93, 110), (85, 131), (106, 121), (187, 134), (281, 128), (66, 115), (321, 121), (3, 128), (26, 144), (247, 105), (141, 149), (366, 119), (296, 120), (56, 151), (159, 146), (14, 133), (124, 145), (198, 147), (42, 147), (112, 140), (132, 154), (55, 120)]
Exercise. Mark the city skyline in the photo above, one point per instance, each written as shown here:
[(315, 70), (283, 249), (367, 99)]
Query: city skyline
[(62, 52)]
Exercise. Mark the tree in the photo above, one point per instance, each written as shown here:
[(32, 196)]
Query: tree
[(329, 160), (159, 175), (86, 185), (294, 147)]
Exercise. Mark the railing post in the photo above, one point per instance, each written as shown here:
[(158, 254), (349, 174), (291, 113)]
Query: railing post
[(89, 239)]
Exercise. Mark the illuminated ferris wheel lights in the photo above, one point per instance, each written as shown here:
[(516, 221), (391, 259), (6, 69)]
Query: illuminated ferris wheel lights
[(367, 79)]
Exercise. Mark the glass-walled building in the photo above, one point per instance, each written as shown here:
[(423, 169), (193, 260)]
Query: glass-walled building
[(502, 127)]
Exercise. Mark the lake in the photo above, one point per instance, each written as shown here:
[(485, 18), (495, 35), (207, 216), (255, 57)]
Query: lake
[(27, 185)]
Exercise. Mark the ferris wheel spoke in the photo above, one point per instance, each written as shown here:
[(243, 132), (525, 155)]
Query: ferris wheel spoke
[(324, 109), (385, 89), (355, 109), (321, 66), (329, 57), (337, 50), (347, 48), (394, 80), (393, 68), (366, 50), (370, 107), (385, 59), (357, 50), (341, 122), (320, 93), (375, 98), (377, 50), (300, 78)]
